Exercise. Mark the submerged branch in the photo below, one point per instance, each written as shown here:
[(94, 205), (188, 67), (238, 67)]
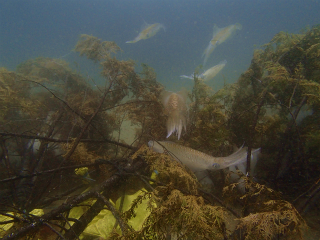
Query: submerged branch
[(77, 140), (96, 163), (252, 131), (109, 184), (66, 140), (124, 227)]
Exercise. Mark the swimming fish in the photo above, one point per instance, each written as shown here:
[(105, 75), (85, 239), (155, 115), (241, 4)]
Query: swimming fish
[(210, 73), (148, 31), (176, 109), (198, 161), (219, 36)]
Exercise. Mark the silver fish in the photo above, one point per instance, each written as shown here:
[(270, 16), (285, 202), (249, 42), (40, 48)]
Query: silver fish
[(198, 161)]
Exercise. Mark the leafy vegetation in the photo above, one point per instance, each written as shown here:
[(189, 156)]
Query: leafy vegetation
[(65, 172)]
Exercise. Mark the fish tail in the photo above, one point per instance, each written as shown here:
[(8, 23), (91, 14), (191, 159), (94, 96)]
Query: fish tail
[(132, 41), (238, 157), (238, 26), (224, 62), (159, 26), (185, 76), (138, 38)]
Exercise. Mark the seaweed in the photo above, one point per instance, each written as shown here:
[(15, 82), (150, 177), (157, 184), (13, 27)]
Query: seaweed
[(67, 173)]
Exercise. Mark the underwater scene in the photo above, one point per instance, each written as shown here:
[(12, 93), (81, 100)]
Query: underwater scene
[(158, 119)]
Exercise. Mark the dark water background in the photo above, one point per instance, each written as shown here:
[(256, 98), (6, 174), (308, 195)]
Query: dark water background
[(34, 28)]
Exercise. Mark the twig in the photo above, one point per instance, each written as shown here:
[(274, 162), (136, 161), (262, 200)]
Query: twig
[(65, 140), (119, 134), (310, 194), (51, 171), (78, 227), (69, 219), (53, 230), (77, 140), (109, 184), (64, 102), (294, 90), (124, 227), (127, 103), (284, 161), (6, 157), (60, 196), (255, 121)]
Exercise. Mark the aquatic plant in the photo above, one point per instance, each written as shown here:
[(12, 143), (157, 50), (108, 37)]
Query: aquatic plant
[(276, 105), (53, 121), (66, 172)]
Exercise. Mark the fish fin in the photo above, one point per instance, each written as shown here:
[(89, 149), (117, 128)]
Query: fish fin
[(254, 160), (144, 25), (240, 157), (163, 27), (136, 39), (238, 150), (255, 150), (224, 62)]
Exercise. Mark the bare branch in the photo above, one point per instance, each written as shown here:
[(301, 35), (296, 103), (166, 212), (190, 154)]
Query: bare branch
[(124, 227)]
